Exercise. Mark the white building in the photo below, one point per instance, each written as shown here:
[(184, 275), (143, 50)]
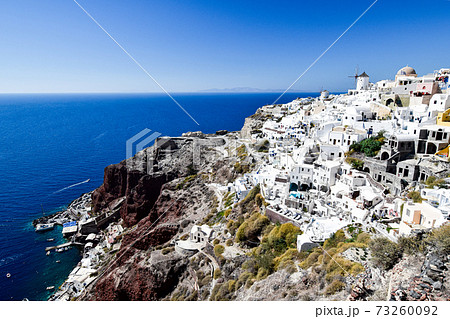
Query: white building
[(419, 216), (345, 136), (302, 175), (324, 173), (438, 197), (362, 82)]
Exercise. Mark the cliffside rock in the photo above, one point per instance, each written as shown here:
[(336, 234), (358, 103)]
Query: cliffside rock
[(150, 277), (114, 186), (140, 197), (163, 187), (252, 123), (140, 179)]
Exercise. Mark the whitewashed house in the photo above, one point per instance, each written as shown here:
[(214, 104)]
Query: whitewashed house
[(419, 216)]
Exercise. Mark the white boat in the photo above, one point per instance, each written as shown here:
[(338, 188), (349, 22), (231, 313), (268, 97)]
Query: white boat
[(48, 253), (44, 227), (50, 287)]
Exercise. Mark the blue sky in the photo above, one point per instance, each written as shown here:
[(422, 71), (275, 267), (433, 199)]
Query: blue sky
[(52, 46)]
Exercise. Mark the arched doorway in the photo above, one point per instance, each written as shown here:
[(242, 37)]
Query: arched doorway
[(384, 156), (293, 187), (389, 101)]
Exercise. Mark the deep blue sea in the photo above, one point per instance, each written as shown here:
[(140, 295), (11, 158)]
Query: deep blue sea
[(49, 142)]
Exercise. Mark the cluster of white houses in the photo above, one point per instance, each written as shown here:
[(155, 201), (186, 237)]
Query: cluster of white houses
[(308, 182)]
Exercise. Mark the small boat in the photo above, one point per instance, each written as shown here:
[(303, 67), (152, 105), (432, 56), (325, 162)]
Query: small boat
[(58, 261), (50, 239), (25, 299), (48, 253), (8, 275), (44, 227), (60, 250), (50, 287)]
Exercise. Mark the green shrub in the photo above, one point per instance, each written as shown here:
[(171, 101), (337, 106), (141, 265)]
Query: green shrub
[(262, 273), (363, 238), (355, 163), (334, 287), (251, 195), (167, 250), (410, 245), (281, 238), (338, 266), (385, 253), (433, 181), (311, 259), (217, 273), (243, 278), (187, 181), (251, 229), (287, 259), (370, 146), (218, 250), (242, 152), (335, 239), (415, 196), (439, 239)]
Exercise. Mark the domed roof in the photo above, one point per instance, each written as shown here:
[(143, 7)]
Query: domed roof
[(407, 70)]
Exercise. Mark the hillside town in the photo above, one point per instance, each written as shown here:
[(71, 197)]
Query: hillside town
[(375, 159), (377, 156)]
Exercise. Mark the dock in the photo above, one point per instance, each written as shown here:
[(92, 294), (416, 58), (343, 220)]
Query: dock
[(62, 246)]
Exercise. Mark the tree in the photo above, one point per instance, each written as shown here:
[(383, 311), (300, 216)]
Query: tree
[(355, 163), (415, 196), (385, 252)]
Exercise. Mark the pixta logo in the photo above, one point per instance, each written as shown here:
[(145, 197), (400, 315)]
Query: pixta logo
[(140, 141)]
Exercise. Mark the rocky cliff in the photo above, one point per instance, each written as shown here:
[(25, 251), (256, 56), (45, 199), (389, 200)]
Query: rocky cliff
[(172, 186), (166, 192)]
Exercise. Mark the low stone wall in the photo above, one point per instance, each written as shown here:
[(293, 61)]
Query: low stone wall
[(274, 217)]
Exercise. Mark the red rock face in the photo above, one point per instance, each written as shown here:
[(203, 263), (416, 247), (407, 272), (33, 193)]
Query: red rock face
[(131, 278), (140, 190), (141, 194), (114, 186)]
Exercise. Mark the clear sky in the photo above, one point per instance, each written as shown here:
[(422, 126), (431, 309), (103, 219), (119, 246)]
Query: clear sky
[(53, 46)]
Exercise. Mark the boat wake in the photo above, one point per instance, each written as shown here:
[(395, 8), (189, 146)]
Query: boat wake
[(63, 189)]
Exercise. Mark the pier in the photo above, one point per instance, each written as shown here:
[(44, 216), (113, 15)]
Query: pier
[(62, 246)]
